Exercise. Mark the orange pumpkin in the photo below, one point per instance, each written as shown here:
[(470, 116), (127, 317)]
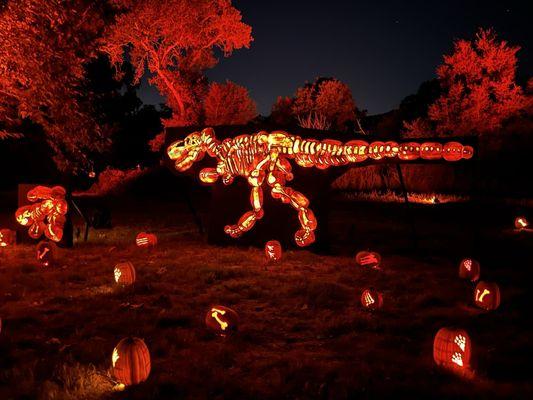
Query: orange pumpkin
[(145, 240), (487, 295), (469, 269), (452, 350), (431, 151), (452, 151), (131, 361), (368, 259), (273, 250), (371, 299), (222, 320), (7, 237), (46, 253), (409, 151), (125, 273), (521, 223)]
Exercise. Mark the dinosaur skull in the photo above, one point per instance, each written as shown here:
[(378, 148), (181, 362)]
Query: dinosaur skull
[(186, 152)]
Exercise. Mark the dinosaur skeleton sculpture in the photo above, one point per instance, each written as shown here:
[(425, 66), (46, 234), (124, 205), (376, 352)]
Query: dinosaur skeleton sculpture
[(264, 157)]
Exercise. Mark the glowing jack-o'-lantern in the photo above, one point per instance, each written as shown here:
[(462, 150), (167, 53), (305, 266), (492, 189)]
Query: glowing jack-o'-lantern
[(7, 237), (124, 273), (368, 259), (521, 223), (371, 299), (222, 320), (469, 269), (145, 240), (131, 361), (46, 253), (47, 215), (487, 295), (452, 350), (273, 250)]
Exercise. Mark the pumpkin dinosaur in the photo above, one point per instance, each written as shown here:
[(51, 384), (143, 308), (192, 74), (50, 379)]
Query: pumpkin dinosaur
[(264, 157)]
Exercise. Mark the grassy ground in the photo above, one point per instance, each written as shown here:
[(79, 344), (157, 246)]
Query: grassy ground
[(303, 333)]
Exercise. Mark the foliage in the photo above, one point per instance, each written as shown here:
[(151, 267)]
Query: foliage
[(479, 89), (112, 181), (281, 113), (314, 120), (176, 41), (228, 104), (44, 46)]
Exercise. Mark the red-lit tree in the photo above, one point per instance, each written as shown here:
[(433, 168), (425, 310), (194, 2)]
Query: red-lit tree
[(479, 88), (228, 104), (44, 46), (176, 41), (281, 112)]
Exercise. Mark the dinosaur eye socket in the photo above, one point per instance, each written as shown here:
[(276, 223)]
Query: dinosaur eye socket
[(191, 141)]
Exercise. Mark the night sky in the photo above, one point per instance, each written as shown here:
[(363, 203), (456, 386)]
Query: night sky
[(382, 49)]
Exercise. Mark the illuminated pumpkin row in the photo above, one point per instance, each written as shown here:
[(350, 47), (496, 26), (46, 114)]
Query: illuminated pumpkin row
[(452, 350), (47, 215), (131, 361), (146, 240), (7, 238), (263, 159)]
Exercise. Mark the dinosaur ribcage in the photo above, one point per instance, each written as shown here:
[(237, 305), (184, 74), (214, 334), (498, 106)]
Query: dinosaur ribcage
[(242, 154)]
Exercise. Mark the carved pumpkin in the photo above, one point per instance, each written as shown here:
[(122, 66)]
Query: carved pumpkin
[(222, 320), (409, 151), (7, 237), (487, 295), (469, 269), (452, 151), (452, 350), (371, 299), (46, 253), (131, 361), (144, 239), (368, 259), (273, 250), (431, 151), (521, 223), (125, 273)]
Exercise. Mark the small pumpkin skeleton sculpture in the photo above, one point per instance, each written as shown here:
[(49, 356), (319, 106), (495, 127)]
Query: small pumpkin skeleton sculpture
[(521, 223), (368, 259), (371, 299), (469, 269), (487, 295), (131, 361), (452, 350), (146, 240), (46, 253), (125, 273), (222, 320), (273, 250), (7, 237), (47, 215)]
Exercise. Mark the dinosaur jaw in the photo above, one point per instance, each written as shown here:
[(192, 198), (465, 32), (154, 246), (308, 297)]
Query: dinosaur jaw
[(183, 156)]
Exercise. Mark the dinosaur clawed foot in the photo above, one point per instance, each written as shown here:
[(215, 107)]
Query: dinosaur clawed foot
[(304, 237), (234, 231)]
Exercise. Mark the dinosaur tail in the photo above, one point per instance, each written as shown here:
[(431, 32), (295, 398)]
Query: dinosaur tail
[(326, 153)]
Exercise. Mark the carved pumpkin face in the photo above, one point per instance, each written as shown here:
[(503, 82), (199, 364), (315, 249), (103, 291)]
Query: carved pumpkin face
[(452, 350), (222, 320), (145, 240), (487, 295), (368, 259), (469, 269), (371, 299), (46, 253), (273, 250), (131, 361), (124, 273), (7, 238), (521, 223), (452, 151), (409, 151)]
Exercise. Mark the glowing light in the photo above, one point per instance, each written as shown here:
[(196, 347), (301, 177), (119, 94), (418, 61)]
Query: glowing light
[(480, 298), (214, 314), (460, 341), (368, 299), (468, 264), (264, 158), (118, 274), (521, 223), (369, 259), (457, 358), (114, 357)]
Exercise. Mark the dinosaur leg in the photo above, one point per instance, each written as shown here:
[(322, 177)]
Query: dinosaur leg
[(247, 221), (304, 236)]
